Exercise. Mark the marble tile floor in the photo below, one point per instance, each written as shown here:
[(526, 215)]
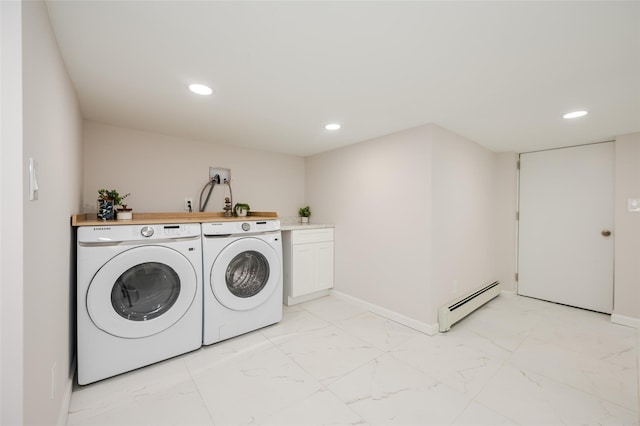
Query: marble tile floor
[(515, 361)]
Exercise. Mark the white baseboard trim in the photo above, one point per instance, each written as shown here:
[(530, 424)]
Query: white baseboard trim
[(66, 403), (66, 400), (290, 301), (623, 320), (508, 292), (430, 329)]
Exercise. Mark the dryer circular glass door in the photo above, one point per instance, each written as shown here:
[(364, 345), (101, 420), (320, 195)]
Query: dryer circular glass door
[(141, 291), (245, 274)]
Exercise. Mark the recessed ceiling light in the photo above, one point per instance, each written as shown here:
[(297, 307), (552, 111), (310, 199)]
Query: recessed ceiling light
[(200, 89), (575, 114), (332, 126)]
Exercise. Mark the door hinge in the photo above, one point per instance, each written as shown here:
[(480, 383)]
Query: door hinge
[(517, 215), (518, 164), (516, 277)]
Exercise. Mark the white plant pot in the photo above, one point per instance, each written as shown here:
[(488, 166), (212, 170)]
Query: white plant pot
[(241, 212), (128, 215), (304, 220)]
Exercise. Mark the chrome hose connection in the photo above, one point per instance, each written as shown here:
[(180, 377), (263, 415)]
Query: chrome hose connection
[(212, 184), (230, 196)]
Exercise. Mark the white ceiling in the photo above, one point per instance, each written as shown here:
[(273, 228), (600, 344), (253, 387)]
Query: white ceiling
[(499, 73)]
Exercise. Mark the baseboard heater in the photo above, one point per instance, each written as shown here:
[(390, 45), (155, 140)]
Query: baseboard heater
[(459, 308)]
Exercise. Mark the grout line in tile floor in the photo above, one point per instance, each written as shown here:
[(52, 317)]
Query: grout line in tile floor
[(515, 361)]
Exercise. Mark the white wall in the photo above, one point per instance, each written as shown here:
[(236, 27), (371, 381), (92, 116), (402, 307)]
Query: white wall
[(53, 137), (11, 222), (160, 171), (464, 207), (627, 228), (377, 193), (413, 211)]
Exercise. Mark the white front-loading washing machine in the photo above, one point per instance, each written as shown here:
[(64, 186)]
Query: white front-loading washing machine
[(139, 296), (242, 277)]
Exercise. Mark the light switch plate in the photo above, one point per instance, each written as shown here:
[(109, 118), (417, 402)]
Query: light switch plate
[(33, 180), (633, 205)]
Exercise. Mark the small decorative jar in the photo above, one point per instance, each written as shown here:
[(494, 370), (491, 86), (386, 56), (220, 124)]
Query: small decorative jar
[(105, 209)]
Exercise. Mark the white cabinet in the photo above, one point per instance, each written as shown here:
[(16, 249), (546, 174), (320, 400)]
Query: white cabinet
[(308, 264)]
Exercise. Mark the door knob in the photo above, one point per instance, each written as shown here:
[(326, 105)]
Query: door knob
[(606, 233)]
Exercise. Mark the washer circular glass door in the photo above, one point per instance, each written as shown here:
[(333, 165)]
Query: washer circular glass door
[(245, 274), (141, 291)]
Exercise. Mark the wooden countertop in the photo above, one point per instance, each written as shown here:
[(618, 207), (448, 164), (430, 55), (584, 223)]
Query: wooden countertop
[(91, 219)]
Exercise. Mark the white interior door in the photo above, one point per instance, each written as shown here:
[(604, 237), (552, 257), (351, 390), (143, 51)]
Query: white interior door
[(565, 239)]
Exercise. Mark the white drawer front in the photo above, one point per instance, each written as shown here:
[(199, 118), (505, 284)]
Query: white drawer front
[(311, 236)]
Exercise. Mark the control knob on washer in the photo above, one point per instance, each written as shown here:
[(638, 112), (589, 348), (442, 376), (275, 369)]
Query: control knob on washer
[(246, 226), (147, 231)]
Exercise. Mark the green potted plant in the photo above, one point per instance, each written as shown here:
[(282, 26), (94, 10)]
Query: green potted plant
[(112, 194), (304, 213), (241, 209), (108, 200)]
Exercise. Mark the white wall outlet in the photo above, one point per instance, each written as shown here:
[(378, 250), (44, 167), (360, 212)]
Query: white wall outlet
[(225, 174), (188, 204), (633, 205)]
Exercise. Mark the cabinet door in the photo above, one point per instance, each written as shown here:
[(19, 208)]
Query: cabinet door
[(323, 265), (302, 273)]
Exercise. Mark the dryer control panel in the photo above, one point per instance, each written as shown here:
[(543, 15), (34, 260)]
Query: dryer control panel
[(235, 228)]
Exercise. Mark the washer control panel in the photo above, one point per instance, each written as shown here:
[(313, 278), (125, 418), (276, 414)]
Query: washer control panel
[(119, 233)]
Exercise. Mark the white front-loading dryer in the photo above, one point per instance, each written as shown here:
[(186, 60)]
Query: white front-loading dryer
[(242, 263), (139, 296)]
